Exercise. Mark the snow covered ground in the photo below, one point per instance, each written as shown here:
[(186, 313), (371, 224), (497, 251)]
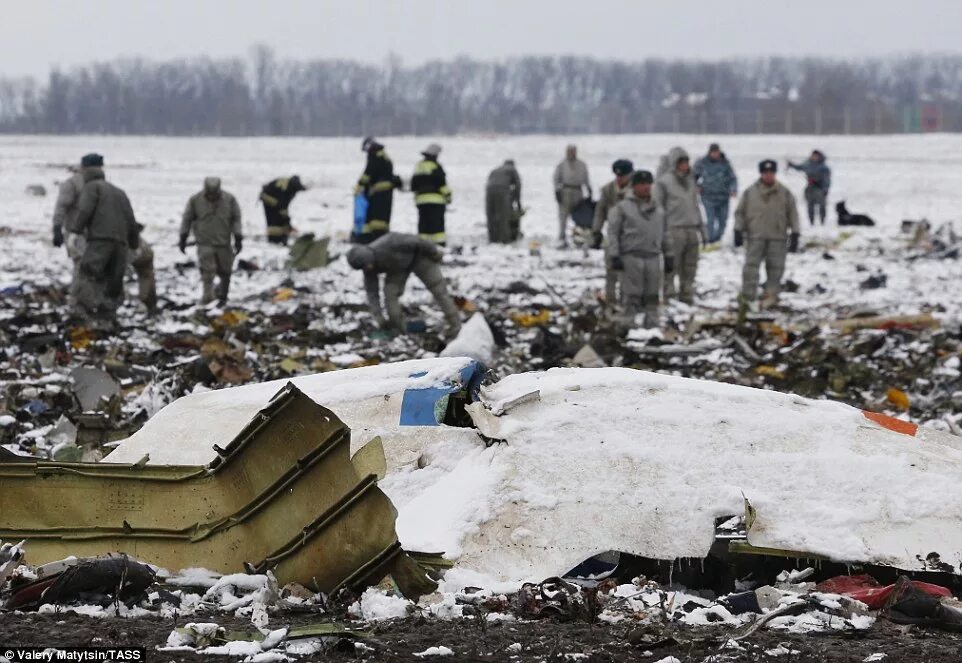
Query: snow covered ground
[(890, 178)]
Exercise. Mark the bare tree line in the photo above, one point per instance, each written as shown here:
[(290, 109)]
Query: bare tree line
[(263, 95)]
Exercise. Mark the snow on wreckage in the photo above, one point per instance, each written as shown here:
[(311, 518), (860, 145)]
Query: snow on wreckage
[(611, 459)]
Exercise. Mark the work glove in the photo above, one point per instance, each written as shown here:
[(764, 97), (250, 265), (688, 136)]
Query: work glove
[(57, 236), (739, 238), (669, 264), (617, 264), (557, 195), (793, 243), (183, 243), (398, 183), (238, 244), (597, 239)]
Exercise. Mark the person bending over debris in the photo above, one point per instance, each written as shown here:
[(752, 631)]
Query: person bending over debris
[(214, 216), (611, 194), (676, 192), (767, 220), (106, 220), (637, 240), (397, 256), (277, 196)]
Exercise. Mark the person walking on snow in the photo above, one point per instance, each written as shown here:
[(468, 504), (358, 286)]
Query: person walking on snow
[(214, 217), (397, 256), (431, 195), (717, 184), (106, 220), (766, 221), (611, 194), (639, 247), (677, 194), (818, 181), (570, 185)]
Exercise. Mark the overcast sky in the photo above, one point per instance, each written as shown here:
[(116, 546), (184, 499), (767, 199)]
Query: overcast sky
[(38, 34)]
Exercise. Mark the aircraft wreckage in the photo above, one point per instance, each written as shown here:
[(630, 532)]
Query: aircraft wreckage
[(520, 480)]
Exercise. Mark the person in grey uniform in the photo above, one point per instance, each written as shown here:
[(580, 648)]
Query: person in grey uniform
[(215, 218), (106, 220), (639, 246), (397, 256), (570, 184), (64, 213), (766, 221), (611, 194), (677, 193)]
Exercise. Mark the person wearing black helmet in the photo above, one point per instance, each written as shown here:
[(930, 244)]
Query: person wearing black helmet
[(377, 183), (639, 246), (766, 221), (276, 196), (611, 194)]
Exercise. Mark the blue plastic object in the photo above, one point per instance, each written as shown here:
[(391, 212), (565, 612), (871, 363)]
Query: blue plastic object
[(426, 407), (360, 213)]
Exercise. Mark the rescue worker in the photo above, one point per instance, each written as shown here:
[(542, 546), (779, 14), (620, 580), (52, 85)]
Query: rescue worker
[(717, 184), (215, 218), (570, 184), (819, 179), (766, 221), (106, 220), (503, 203), (431, 195), (638, 242), (377, 183), (64, 213), (397, 256), (611, 194), (277, 196), (677, 194)]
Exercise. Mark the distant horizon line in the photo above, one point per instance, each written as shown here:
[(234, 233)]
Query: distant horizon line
[(387, 59)]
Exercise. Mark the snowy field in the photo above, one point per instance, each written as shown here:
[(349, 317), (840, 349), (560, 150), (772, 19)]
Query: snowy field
[(890, 178)]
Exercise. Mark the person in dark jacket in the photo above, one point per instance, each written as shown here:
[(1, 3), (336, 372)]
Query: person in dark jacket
[(818, 181), (277, 196), (397, 256), (431, 195), (717, 184), (502, 198), (377, 183), (106, 220)]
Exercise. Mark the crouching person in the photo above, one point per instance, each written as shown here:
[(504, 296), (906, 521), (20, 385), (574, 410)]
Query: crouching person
[(397, 256), (766, 220), (638, 243)]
